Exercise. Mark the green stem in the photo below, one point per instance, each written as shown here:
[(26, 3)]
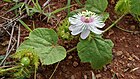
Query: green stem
[(71, 49), (59, 62), (114, 23), (68, 4), (8, 69), (124, 29), (35, 73), (54, 70)]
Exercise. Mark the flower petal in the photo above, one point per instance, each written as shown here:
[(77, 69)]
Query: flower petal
[(99, 24), (73, 20), (95, 30), (71, 27), (98, 21), (75, 29), (85, 34), (75, 32), (75, 26)]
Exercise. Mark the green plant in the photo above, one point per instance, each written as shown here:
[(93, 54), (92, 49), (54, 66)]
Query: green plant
[(97, 51), (128, 7), (25, 61), (42, 45), (24, 8), (26, 64), (97, 6), (43, 42), (63, 31)]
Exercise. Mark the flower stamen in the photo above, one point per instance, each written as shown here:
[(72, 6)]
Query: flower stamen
[(86, 19)]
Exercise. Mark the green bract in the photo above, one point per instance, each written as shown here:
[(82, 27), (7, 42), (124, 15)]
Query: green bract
[(97, 6), (43, 42), (97, 51), (63, 30)]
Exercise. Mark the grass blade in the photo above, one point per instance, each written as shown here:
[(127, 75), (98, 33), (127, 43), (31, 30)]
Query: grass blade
[(25, 25), (68, 4), (15, 7), (79, 2)]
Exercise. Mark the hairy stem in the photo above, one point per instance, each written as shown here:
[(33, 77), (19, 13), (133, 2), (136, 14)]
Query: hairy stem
[(8, 69)]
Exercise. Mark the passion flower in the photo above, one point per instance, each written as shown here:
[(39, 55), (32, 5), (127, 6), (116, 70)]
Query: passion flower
[(84, 23)]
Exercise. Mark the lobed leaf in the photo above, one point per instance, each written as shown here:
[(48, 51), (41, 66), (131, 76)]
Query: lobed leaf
[(97, 51), (44, 43)]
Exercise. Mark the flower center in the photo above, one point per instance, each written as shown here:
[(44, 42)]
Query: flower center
[(86, 19)]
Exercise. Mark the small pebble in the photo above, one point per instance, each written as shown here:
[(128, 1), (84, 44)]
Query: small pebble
[(137, 46), (98, 76), (70, 57), (130, 58), (75, 64), (112, 2), (85, 77), (72, 77), (105, 68), (115, 16), (129, 65), (132, 27), (119, 53)]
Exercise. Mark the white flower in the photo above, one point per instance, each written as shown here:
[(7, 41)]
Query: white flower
[(84, 23)]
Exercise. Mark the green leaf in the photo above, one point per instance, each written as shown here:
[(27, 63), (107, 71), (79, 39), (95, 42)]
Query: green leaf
[(128, 6), (122, 6), (7, 0), (105, 16), (16, 6), (78, 1), (68, 4), (97, 6), (27, 9), (44, 43), (97, 51), (25, 25), (135, 7), (60, 9)]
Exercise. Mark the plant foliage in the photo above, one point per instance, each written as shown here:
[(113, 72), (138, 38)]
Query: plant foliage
[(43, 42), (128, 6), (97, 6), (97, 51), (63, 30)]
